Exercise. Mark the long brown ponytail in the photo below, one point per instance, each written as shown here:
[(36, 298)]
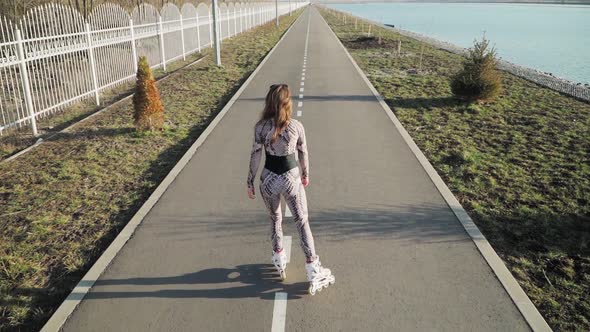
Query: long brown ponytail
[(278, 107)]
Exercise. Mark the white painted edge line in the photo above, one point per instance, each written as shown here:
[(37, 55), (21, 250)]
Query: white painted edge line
[(300, 89), (518, 296), (300, 104), (279, 313), (299, 113), (64, 311), (300, 96), (302, 83)]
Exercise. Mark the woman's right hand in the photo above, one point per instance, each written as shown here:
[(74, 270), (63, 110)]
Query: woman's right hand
[(305, 181), (251, 193)]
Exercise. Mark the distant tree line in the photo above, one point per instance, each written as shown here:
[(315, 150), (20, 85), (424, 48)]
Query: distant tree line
[(14, 9)]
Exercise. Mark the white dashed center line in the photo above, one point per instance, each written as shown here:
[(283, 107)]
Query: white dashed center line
[(287, 240), (279, 314), (300, 104)]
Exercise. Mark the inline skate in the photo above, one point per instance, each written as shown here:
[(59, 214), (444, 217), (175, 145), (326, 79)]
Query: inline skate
[(318, 276), (279, 259)]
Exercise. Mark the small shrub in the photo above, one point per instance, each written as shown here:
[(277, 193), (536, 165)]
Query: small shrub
[(479, 80), (148, 111)]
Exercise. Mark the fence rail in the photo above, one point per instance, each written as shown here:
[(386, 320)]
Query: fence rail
[(577, 90), (54, 57)]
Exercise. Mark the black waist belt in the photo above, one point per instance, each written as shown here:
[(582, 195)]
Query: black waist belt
[(280, 164)]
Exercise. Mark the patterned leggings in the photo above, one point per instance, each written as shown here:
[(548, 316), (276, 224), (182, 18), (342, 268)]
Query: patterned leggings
[(289, 185)]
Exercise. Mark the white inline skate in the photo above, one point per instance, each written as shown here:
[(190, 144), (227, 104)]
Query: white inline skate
[(280, 261), (319, 277)]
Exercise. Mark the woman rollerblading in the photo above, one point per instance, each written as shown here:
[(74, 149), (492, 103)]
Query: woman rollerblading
[(284, 175)]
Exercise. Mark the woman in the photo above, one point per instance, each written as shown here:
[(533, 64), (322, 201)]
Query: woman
[(281, 136)]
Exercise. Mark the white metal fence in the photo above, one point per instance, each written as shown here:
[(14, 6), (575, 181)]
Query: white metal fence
[(54, 57)]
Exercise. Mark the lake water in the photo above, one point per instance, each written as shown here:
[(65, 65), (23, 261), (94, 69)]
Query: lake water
[(551, 38)]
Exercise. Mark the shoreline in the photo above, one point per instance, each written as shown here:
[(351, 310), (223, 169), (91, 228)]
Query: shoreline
[(578, 90)]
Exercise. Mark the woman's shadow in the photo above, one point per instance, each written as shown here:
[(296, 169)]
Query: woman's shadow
[(252, 280)]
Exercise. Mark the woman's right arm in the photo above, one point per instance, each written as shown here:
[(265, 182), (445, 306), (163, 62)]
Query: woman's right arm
[(255, 156)]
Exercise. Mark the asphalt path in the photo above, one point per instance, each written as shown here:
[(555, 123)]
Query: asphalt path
[(200, 260)]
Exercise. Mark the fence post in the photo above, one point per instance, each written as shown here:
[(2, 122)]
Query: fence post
[(133, 48), (219, 24), (277, 12), (92, 64), (216, 44), (211, 29), (26, 84), (228, 26), (182, 39), (241, 19), (161, 33), (198, 33), (235, 22)]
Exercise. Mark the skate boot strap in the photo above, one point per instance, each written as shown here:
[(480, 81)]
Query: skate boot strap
[(280, 164)]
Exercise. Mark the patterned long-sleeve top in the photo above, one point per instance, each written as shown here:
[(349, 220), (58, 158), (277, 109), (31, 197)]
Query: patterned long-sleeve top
[(290, 140)]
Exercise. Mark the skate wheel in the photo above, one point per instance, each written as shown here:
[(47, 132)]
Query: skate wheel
[(311, 290), (283, 276), (333, 281)]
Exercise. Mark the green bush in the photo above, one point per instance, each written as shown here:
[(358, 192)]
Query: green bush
[(148, 110), (479, 80)]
